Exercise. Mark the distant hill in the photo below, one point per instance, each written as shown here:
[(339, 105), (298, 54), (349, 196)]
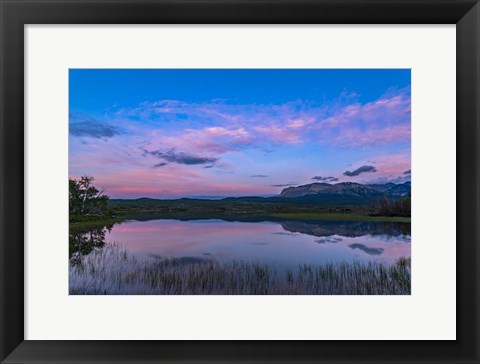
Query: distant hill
[(346, 191), (318, 194)]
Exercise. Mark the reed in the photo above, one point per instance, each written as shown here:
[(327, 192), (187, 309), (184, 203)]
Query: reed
[(111, 270)]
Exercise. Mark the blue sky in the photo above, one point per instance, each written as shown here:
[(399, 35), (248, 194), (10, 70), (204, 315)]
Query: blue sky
[(173, 133)]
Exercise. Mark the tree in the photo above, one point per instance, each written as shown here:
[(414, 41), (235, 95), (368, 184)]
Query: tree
[(387, 206), (85, 199)]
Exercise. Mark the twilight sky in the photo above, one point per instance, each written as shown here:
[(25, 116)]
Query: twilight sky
[(182, 133)]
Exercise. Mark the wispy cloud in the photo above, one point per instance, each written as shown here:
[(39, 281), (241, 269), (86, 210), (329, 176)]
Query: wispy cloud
[(179, 145), (391, 168), (231, 127), (378, 122), (409, 171), (360, 170)]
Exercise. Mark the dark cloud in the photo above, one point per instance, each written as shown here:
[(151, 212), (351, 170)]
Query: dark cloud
[(181, 157), (332, 240), (358, 171), (208, 167), (87, 127), (259, 175), (408, 172), (325, 179), (285, 185), (366, 249), (160, 165)]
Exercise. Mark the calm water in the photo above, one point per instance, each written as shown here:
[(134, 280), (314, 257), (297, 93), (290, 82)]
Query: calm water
[(281, 243)]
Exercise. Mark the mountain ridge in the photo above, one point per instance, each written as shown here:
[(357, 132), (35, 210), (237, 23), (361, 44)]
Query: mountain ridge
[(344, 193), (351, 189)]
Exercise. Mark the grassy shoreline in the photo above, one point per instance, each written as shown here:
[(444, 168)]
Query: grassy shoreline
[(113, 271), (339, 216), (90, 224)]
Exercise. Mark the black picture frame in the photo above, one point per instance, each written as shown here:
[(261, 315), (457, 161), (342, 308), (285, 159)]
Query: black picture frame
[(17, 13)]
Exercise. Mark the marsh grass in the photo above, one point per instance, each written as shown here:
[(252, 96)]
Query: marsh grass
[(111, 270)]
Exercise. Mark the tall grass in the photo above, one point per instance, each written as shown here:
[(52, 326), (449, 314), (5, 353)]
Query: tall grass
[(112, 271)]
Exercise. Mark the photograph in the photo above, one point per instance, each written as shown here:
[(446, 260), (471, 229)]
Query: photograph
[(239, 182)]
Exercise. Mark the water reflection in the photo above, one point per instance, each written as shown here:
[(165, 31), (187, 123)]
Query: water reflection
[(183, 260), (347, 228), (279, 242), (331, 240), (366, 249), (83, 242)]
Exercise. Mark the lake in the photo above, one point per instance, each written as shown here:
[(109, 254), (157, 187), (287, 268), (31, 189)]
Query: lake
[(281, 243), (213, 256)]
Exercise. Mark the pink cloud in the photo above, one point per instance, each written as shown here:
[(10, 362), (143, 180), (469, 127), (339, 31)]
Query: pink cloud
[(278, 134), (389, 168), (396, 107), (224, 133), (393, 165), (354, 137), (216, 140), (233, 126), (178, 188), (383, 121)]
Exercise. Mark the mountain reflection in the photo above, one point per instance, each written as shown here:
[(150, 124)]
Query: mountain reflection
[(317, 228), (347, 228)]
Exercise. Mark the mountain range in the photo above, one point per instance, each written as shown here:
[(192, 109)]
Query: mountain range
[(347, 190), (345, 193)]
